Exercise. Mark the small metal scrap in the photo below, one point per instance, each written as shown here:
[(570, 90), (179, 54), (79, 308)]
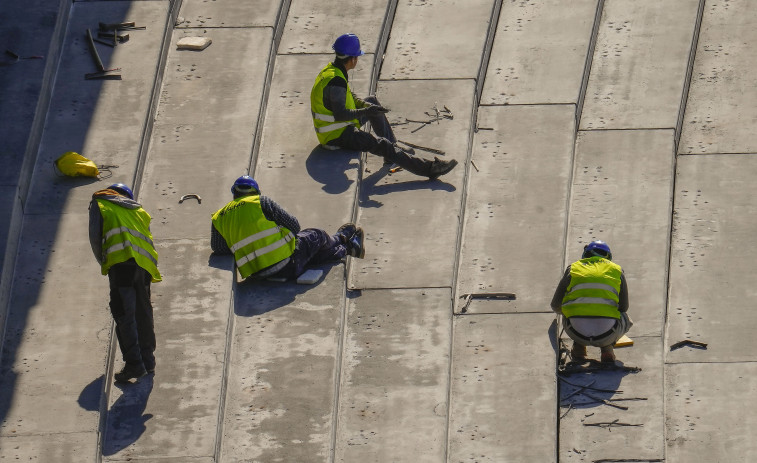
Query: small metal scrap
[(125, 26), (474, 165), (688, 342), (470, 296), (611, 424), (197, 197)]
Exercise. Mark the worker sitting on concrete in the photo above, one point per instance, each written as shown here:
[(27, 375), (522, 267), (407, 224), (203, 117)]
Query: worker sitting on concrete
[(593, 299), (119, 233), (267, 242), (338, 115)]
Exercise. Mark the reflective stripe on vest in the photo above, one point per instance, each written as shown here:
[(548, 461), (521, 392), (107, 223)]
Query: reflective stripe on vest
[(126, 235), (257, 243), (594, 289), (326, 127)]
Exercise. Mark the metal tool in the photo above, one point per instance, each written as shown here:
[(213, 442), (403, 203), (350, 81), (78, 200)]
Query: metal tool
[(192, 195), (498, 296), (101, 73), (688, 342), (125, 26)]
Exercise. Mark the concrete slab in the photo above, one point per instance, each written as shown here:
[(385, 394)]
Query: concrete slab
[(175, 413), (721, 105), (61, 447), (502, 200), (315, 185), (443, 39), (490, 382), (228, 13), (312, 27), (422, 213), (57, 334), (535, 58), (582, 439), (101, 119), (713, 218), (635, 81), (284, 360), (395, 377), (208, 112), (706, 412), (607, 204)]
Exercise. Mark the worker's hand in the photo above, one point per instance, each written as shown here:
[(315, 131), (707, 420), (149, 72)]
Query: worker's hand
[(375, 109)]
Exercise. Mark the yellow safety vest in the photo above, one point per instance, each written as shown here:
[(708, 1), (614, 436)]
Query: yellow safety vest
[(126, 235), (326, 127), (594, 289), (256, 242)]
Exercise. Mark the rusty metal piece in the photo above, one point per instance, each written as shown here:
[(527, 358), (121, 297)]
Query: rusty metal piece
[(191, 195), (470, 296), (688, 342)]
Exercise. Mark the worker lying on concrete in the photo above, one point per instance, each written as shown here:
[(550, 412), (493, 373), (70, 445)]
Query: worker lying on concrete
[(593, 299), (338, 115), (267, 241), (119, 233)]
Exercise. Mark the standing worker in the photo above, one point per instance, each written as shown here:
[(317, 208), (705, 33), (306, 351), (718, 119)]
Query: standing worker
[(267, 241), (338, 115), (593, 299), (119, 233)]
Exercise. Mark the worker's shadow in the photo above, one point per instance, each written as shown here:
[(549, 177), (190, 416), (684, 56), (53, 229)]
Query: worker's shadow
[(584, 384), (257, 297), (330, 168), (369, 186)]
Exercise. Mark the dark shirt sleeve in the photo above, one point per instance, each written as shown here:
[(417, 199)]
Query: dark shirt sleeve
[(217, 242), (562, 286), (278, 215), (623, 296), (96, 230), (335, 100)]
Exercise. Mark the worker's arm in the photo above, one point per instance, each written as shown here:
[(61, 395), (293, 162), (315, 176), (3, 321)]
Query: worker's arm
[(96, 230), (335, 100), (278, 215), (623, 296), (562, 286), (217, 242)]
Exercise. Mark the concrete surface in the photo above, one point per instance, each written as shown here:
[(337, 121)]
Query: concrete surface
[(375, 362)]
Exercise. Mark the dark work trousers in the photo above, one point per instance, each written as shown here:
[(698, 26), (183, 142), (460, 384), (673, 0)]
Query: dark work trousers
[(132, 310), (384, 144), (313, 247)]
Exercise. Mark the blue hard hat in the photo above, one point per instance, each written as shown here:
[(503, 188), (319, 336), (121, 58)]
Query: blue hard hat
[(245, 185), (597, 248), (347, 45), (123, 189)]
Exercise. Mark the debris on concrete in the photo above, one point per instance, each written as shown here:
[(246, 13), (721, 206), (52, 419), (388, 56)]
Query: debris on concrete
[(193, 43), (191, 195), (689, 342), (310, 277)]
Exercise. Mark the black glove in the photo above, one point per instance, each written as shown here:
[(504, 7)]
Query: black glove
[(373, 109)]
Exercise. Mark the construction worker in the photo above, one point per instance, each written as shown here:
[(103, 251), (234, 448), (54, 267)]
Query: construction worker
[(338, 115), (119, 233), (267, 242), (592, 296)]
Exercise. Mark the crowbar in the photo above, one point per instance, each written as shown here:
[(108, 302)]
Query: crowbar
[(470, 296), (101, 73)]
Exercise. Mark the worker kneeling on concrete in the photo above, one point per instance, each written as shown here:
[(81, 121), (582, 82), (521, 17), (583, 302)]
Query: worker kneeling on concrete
[(338, 115), (267, 242), (593, 298), (119, 233)]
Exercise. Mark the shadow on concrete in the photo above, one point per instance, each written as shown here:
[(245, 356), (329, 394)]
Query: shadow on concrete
[(89, 398), (257, 297), (126, 421), (369, 187), (329, 168), (221, 262), (592, 388)]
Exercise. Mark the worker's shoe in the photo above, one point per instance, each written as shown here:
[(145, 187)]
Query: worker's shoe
[(578, 352), (439, 168), (608, 355), (346, 232), (356, 245), (130, 372)]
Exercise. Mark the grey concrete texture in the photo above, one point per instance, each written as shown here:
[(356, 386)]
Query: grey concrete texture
[(635, 83), (524, 149), (535, 58), (372, 363), (721, 105)]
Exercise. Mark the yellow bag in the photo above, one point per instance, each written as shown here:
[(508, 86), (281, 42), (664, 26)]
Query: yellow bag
[(76, 165)]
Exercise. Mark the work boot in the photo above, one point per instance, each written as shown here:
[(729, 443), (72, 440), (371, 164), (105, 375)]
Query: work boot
[(608, 354), (578, 352), (130, 372), (355, 246), (346, 232), (439, 167)]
